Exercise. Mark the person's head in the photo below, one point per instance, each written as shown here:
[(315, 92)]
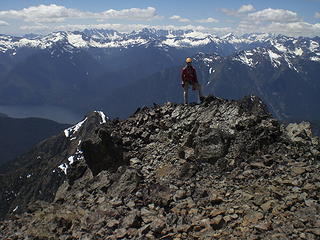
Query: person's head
[(189, 61)]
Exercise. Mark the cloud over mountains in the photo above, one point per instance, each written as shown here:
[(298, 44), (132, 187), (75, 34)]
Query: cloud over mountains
[(55, 13), (244, 19)]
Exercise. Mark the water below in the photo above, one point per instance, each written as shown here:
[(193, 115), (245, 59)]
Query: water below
[(54, 113)]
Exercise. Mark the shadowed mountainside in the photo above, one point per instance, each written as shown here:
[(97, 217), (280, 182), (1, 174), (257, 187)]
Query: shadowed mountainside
[(19, 135)]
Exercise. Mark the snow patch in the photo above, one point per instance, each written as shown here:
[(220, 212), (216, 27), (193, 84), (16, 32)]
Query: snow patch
[(261, 37), (78, 155), (199, 42), (280, 47), (170, 35), (315, 59), (72, 130), (208, 60), (313, 46), (273, 55), (77, 41), (186, 42), (211, 70), (245, 60), (198, 35), (112, 36), (2, 49), (171, 42), (63, 168), (102, 116), (55, 37), (15, 209), (71, 160), (274, 58), (298, 52), (290, 64), (114, 44), (233, 39)]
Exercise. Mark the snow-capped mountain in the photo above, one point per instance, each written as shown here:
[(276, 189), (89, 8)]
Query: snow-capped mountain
[(109, 39), (165, 39), (92, 68), (285, 73), (282, 50), (248, 38)]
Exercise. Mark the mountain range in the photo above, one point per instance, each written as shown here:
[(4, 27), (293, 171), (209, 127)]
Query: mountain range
[(118, 72)]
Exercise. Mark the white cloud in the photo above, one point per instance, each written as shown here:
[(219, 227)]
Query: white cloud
[(36, 28), (122, 28), (131, 14), (245, 26), (186, 20), (3, 23), (246, 9), (294, 29), (207, 20), (55, 13), (179, 19), (43, 13), (229, 12), (274, 15), (286, 28), (237, 13), (276, 21)]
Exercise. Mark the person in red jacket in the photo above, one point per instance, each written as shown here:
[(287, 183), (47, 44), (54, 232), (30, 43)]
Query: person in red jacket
[(189, 77)]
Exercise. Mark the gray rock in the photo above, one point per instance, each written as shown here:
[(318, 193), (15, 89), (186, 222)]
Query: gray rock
[(299, 132), (132, 220), (210, 144), (221, 169)]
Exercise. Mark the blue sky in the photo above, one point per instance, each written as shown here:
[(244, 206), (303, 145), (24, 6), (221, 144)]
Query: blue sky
[(288, 17)]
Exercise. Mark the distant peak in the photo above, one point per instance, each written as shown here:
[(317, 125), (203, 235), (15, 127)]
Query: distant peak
[(229, 35)]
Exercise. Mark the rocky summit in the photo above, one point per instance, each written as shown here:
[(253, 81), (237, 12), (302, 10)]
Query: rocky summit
[(218, 170)]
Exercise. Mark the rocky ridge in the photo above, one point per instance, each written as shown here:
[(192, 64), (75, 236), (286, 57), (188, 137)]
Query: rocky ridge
[(222, 169), (38, 174)]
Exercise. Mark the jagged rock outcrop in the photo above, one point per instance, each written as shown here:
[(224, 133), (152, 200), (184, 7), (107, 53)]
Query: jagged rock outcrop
[(103, 153), (221, 169)]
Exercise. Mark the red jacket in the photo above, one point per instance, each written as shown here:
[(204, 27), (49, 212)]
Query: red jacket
[(188, 74)]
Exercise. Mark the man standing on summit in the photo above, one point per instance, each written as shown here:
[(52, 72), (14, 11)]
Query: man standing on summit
[(189, 77)]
